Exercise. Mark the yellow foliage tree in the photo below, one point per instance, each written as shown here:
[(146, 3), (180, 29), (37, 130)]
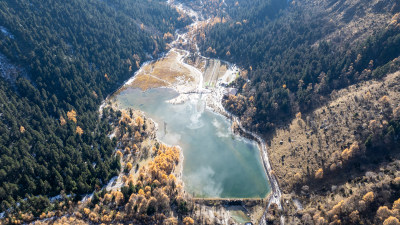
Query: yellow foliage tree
[(79, 130), (369, 197), (383, 212), (156, 183), (354, 217), (86, 211), (62, 121), (43, 215), (373, 125), (22, 129), (119, 153), (321, 220), (297, 177), (298, 115), (171, 221), (147, 188), (172, 177), (188, 221), (319, 174), (168, 36), (396, 204), (139, 121), (129, 166), (391, 221), (251, 99), (336, 209), (137, 136), (105, 218), (141, 192), (93, 217), (384, 100), (107, 198), (119, 197), (346, 154), (72, 115)]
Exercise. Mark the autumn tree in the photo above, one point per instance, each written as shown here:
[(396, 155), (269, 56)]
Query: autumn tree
[(354, 217), (137, 136), (171, 221), (396, 204), (72, 115), (319, 174), (62, 121), (118, 197), (297, 177), (188, 221), (139, 121), (391, 221), (385, 100), (129, 166), (119, 153), (79, 130), (369, 197), (336, 209), (168, 36), (383, 212)]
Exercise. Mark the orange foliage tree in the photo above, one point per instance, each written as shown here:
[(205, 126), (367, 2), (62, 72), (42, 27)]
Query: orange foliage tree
[(71, 115), (79, 130)]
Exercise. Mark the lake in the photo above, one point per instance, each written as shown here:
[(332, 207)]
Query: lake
[(217, 163)]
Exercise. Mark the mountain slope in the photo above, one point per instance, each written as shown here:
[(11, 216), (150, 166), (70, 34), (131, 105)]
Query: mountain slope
[(294, 60), (72, 54), (318, 85)]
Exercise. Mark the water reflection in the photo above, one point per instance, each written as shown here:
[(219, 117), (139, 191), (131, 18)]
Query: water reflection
[(215, 164)]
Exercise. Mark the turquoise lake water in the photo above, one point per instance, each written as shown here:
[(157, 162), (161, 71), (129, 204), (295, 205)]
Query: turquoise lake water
[(216, 162)]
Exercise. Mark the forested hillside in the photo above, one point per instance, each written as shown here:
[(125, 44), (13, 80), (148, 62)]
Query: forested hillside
[(291, 62), (59, 60), (319, 83)]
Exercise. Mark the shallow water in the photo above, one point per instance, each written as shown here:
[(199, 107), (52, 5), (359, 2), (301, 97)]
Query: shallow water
[(216, 162)]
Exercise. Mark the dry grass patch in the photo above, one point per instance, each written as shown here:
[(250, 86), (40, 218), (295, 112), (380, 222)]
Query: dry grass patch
[(169, 69), (334, 134), (145, 82), (162, 73)]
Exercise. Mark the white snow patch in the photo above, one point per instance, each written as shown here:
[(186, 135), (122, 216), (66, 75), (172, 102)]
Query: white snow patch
[(6, 32)]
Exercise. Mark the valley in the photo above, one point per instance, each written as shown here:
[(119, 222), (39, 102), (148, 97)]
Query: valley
[(200, 112)]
